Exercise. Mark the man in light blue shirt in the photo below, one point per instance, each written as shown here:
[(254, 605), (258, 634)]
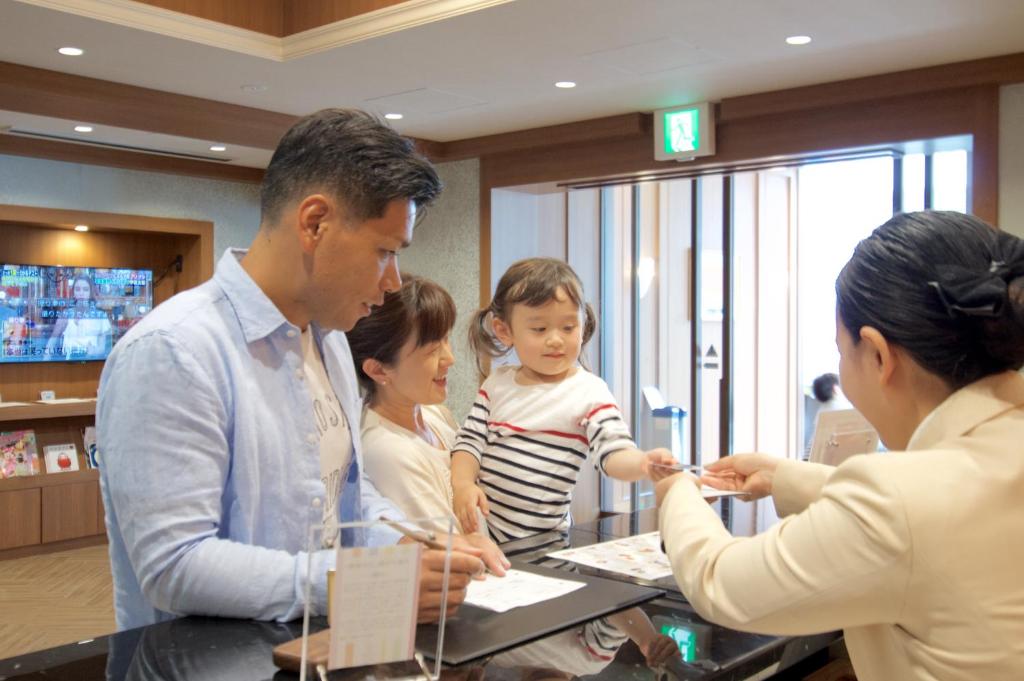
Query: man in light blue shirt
[(211, 445)]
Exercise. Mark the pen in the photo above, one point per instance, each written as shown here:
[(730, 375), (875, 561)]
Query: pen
[(428, 539)]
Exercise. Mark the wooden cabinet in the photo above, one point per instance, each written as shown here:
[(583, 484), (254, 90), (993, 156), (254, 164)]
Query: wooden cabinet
[(49, 512), (69, 511), (20, 511)]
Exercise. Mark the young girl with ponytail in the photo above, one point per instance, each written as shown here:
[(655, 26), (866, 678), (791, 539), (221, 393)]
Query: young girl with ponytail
[(534, 426)]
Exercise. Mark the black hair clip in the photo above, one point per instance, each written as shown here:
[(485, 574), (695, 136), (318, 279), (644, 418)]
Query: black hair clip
[(970, 294)]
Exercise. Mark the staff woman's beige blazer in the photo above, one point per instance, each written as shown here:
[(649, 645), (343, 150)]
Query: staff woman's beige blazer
[(918, 556)]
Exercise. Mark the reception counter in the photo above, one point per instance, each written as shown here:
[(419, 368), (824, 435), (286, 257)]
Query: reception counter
[(201, 648)]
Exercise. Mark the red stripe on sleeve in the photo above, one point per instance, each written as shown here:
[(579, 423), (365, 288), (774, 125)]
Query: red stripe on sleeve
[(597, 409)]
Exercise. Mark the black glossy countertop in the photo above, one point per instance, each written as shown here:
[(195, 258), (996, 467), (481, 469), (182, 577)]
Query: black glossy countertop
[(200, 648)]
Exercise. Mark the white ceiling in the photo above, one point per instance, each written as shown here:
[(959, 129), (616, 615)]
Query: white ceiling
[(493, 70)]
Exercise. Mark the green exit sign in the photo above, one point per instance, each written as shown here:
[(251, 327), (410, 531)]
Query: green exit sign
[(684, 132)]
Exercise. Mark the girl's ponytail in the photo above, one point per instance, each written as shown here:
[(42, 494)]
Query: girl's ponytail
[(482, 340)]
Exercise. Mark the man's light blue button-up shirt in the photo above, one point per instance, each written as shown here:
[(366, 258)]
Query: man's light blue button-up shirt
[(210, 461)]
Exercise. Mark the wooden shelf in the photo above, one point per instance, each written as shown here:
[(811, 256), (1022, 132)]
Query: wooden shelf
[(47, 411), (51, 511), (49, 480)]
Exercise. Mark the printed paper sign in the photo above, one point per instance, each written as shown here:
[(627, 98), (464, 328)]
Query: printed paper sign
[(373, 605)]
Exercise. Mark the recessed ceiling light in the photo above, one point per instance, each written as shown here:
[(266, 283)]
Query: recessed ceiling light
[(71, 51), (83, 128), (394, 116), (218, 147), (565, 84), (81, 228), (798, 40), (255, 87)]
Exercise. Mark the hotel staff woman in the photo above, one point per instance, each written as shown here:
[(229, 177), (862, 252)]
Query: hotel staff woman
[(916, 554)]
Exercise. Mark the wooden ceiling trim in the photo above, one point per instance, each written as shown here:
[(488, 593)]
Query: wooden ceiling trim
[(129, 160), (278, 18), (262, 16), (302, 16), (51, 93)]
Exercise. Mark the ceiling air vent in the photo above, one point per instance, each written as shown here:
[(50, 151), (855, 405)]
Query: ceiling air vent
[(110, 145)]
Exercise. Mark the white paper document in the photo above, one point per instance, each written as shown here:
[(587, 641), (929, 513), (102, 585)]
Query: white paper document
[(68, 400), (13, 404), (639, 556), (373, 605), (516, 589)]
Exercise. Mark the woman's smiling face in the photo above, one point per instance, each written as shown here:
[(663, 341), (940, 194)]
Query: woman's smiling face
[(420, 375)]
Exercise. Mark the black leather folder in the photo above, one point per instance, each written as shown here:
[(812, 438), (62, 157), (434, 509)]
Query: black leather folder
[(476, 633)]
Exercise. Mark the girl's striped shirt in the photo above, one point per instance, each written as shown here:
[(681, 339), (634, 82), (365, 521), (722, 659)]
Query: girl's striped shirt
[(531, 442)]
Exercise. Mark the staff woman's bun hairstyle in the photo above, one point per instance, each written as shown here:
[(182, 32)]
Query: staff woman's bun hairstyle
[(946, 287)]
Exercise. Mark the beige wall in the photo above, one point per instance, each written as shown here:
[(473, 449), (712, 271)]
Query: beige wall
[(446, 248), (1011, 159), (233, 207)]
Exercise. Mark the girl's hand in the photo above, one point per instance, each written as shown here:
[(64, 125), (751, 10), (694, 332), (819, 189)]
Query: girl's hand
[(659, 650), (467, 499), (659, 464), (750, 473)]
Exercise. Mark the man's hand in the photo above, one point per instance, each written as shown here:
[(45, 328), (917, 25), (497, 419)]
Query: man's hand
[(467, 499), (463, 568), (750, 473), (663, 486)]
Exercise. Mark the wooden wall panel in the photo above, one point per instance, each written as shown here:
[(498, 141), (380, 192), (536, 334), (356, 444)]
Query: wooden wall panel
[(21, 513), (52, 93), (990, 71), (593, 131), (983, 197), (262, 16), (69, 511)]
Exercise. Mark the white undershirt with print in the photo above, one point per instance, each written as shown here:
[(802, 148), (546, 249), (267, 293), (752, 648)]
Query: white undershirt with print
[(333, 429)]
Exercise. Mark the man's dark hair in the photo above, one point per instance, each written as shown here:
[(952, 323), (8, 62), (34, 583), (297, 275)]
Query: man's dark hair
[(350, 155), (946, 287)]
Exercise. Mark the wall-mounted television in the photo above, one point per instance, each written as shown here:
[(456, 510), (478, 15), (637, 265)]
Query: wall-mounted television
[(68, 314)]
